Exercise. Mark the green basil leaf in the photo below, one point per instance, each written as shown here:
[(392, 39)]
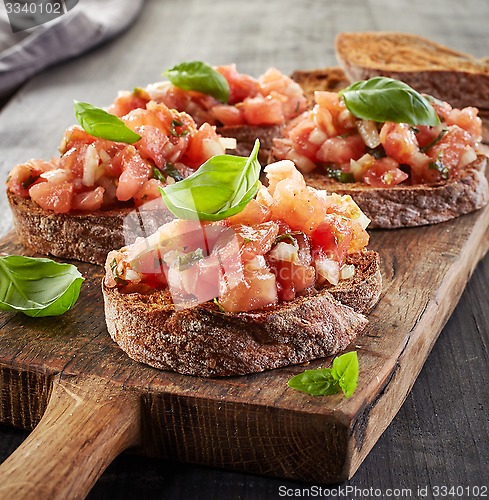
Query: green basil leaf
[(97, 122), (37, 287), (318, 382), (384, 99), (199, 76), (343, 376), (345, 372), (221, 187)]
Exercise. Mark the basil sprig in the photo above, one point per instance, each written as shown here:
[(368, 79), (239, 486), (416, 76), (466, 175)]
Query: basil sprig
[(97, 122), (343, 376), (199, 76), (221, 187), (37, 287), (383, 99)]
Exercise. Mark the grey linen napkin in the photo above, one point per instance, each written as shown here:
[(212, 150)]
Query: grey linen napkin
[(89, 23)]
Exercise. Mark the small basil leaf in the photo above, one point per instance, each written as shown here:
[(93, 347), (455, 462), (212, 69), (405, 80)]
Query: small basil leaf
[(37, 287), (345, 372), (97, 122), (318, 382), (199, 76), (384, 99), (221, 187)]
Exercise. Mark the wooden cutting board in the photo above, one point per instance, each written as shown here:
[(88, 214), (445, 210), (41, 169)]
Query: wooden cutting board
[(91, 401)]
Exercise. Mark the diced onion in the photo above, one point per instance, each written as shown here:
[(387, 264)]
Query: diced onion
[(211, 147), (132, 276), (468, 156), (284, 251), (90, 164), (228, 142), (57, 175), (303, 163), (317, 137), (328, 269), (369, 133), (157, 91), (347, 271)]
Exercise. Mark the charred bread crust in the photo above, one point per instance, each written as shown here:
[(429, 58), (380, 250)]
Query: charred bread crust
[(415, 205), (206, 342), (88, 237)]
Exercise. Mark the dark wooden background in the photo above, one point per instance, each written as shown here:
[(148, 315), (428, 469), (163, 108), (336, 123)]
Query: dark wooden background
[(440, 436)]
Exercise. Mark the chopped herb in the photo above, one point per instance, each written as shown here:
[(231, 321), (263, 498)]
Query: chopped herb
[(115, 273), (436, 140), (27, 183), (378, 152), (247, 240), (186, 260), (172, 172), (340, 176), (438, 165), (219, 305), (286, 237), (173, 128), (168, 171), (158, 175)]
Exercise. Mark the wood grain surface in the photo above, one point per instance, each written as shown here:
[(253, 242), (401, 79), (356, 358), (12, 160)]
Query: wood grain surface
[(440, 436)]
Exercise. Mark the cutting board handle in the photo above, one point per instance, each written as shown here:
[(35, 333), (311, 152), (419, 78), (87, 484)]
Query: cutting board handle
[(87, 423)]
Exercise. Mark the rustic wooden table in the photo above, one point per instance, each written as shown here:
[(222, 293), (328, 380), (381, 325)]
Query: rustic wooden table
[(440, 437)]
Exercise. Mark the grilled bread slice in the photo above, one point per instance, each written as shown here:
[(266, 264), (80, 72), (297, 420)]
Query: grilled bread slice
[(88, 237), (414, 205), (204, 341), (430, 68)]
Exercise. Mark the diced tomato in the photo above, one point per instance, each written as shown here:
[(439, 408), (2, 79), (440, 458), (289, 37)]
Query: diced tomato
[(255, 240), (341, 150), (23, 176), (450, 147), (399, 141), (332, 238), (228, 115), (73, 160), (89, 201), (468, 120), (384, 173), (253, 213), (425, 135), (202, 145), (153, 145), (135, 173), (300, 136), (240, 85), (127, 102), (55, 197), (256, 290), (301, 208), (149, 191), (74, 137), (262, 110), (341, 119)]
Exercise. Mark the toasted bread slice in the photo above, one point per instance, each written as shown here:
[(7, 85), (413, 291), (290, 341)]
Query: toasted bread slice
[(415, 205), (88, 237), (206, 342), (431, 68)]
